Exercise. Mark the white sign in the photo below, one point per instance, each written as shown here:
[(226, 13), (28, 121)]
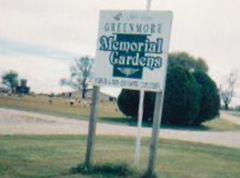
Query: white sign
[(132, 49)]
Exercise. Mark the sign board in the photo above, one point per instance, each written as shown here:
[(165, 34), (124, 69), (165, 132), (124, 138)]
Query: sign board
[(132, 49)]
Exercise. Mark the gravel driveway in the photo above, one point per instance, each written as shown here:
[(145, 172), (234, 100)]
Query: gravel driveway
[(15, 122), (230, 117)]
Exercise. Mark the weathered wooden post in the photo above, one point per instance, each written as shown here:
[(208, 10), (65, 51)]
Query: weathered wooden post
[(92, 127)]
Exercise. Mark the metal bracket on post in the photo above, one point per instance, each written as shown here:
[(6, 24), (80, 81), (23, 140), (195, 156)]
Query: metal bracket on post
[(92, 127)]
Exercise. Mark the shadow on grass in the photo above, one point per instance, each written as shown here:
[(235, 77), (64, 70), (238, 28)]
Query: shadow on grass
[(106, 170), (133, 122)]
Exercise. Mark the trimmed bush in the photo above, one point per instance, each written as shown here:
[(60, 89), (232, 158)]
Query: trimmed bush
[(182, 98), (210, 100), (191, 96), (181, 103), (183, 59), (128, 102)]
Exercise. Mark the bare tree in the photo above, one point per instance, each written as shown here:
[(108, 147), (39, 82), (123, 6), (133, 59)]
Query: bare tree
[(81, 75), (227, 89)]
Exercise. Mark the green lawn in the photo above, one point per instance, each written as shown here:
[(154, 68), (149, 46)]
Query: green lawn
[(59, 106), (235, 113), (54, 156)]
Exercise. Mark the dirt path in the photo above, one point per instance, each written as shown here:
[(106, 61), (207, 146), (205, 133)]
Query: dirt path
[(231, 118), (14, 122)]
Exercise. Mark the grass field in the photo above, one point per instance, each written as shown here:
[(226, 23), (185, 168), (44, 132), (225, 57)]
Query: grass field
[(235, 113), (59, 106), (108, 112), (54, 156)]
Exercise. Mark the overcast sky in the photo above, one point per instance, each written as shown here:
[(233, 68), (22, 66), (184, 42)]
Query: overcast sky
[(39, 38)]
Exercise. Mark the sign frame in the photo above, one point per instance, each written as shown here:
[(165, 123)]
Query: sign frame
[(132, 49), (155, 126)]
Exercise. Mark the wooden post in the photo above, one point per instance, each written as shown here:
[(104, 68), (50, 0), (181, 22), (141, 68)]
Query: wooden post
[(155, 132), (92, 127)]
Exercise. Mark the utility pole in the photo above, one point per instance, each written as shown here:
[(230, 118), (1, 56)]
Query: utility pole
[(140, 115), (148, 7), (155, 125)]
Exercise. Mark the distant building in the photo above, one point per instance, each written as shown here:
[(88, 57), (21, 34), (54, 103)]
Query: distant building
[(4, 90), (23, 88)]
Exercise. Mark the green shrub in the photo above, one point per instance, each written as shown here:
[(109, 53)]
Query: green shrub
[(128, 102), (106, 170), (182, 98), (210, 100), (181, 103), (191, 96), (183, 59)]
